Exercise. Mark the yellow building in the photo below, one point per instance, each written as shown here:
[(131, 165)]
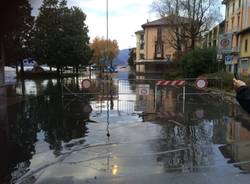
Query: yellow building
[(237, 22), (244, 66), (155, 45)]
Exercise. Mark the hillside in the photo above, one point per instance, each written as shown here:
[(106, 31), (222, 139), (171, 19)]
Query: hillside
[(122, 58)]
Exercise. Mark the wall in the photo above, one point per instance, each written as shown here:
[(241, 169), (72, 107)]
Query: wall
[(151, 38)]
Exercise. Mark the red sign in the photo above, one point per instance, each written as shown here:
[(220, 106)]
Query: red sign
[(86, 84), (171, 83), (201, 83)]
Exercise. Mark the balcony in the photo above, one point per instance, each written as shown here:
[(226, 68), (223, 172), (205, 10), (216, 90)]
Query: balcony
[(235, 29), (235, 49)]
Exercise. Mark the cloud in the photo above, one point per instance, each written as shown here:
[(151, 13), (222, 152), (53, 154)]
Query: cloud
[(125, 18)]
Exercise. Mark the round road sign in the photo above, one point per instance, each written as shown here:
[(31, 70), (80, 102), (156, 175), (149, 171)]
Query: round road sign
[(199, 113), (144, 91), (224, 43), (201, 83), (86, 84)]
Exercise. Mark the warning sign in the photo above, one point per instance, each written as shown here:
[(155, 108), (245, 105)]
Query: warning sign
[(225, 43), (201, 83), (143, 89), (86, 84)]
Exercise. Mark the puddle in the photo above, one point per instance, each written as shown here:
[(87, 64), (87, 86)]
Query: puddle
[(124, 138)]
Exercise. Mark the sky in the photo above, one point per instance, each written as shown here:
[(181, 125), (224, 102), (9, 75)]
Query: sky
[(125, 18)]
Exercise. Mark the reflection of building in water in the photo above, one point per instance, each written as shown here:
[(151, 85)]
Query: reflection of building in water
[(4, 131), (238, 153), (189, 147), (164, 101), (33, 88), (21, 122), (238, 134), (146, 103), (167, 100)]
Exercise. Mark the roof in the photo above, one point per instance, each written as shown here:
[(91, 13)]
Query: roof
[(139, 32), (225, 1), (166, 21), (244, 31), (222, 23)]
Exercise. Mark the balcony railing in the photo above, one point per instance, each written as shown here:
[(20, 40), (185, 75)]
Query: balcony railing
[(235, 49), (235, 29)]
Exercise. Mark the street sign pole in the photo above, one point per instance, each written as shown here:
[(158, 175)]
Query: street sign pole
[(155, 97), (184, 99)]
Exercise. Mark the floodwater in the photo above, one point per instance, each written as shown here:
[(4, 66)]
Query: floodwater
[(56, 132)]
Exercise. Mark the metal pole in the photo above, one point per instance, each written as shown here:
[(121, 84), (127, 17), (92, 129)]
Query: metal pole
[(155, 97), (107, 27), (184, 99), (118, 91)]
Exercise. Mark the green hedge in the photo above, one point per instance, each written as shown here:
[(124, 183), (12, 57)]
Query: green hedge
[(199, 61), (227, 79)]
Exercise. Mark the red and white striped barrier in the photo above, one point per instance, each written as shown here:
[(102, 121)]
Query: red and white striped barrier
[(171, 83)]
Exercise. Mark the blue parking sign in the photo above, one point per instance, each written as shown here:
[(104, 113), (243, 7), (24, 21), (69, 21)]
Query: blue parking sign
[(228, 59)]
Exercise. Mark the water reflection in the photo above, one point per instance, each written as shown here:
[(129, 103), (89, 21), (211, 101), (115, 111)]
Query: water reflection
[(58, 118), (193, 136), (53, 118)]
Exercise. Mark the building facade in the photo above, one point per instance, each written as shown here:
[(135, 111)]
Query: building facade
[(154, 50), (211, 38), (237, 22), (140, 55)]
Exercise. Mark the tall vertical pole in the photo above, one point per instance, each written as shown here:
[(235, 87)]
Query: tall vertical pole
[(184, 99), (155, 98), (107, 27)]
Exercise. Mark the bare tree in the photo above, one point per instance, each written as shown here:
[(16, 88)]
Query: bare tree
[(191, 18)]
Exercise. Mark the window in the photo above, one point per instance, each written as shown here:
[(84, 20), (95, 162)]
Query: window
[(238, 23), (244, 64), (141, 37), (159, 34), (214, 43), (142, 45), (141, 56), (158, 50), (227, 11), (239, 3), (232, 23), (246, 44), (233, 6), (237, 41)]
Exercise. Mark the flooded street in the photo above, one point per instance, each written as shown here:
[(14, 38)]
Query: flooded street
[(57, 132)]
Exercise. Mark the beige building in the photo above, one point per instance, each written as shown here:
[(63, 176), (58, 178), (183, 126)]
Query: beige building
[(211, 38), (237, 22), (155, 45), (140, 42)]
